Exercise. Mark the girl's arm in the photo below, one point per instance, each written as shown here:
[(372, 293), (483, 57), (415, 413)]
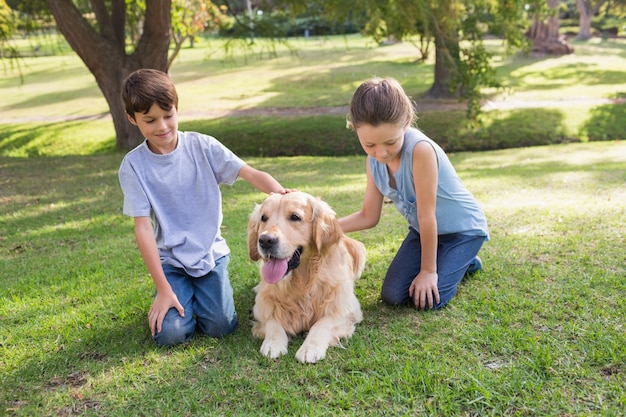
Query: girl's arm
[(261, 180), (423, 289), (370, 212), (165, 297)]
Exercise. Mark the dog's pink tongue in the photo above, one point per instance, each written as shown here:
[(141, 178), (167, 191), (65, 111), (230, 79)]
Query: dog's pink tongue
[(273, 270)]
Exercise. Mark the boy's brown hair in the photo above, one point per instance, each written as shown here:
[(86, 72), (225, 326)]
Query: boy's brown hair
[(144, 87), (380, 100)]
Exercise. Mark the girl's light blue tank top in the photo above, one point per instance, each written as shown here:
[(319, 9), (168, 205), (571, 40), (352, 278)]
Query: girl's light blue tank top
[(457, 210)]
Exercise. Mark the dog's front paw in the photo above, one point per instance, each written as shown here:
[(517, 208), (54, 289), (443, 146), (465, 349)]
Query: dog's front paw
[(273, 348), (311, 353)]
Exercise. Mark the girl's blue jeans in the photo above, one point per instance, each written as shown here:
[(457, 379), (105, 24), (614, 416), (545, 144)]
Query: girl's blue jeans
[(208, 303), (455, 253)]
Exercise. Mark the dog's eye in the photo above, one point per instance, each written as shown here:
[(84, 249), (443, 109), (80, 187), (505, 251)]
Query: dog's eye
[(263, 218), (295, 218)]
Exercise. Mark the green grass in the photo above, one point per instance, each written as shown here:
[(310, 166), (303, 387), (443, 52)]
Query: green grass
[(319, 73), (539, 332)]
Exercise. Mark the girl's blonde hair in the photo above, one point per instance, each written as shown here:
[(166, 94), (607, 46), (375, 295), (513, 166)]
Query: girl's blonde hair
[(381, 100)]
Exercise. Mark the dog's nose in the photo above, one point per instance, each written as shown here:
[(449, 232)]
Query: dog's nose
[(267, 241)]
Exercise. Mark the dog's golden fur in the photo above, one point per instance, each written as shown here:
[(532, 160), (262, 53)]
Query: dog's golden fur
[(318, 295)]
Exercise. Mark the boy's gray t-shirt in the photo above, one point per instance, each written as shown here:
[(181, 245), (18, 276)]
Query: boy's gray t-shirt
[(180, 192)]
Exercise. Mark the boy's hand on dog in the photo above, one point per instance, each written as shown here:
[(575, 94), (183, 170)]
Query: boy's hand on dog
[(285, 191), (161, 305)]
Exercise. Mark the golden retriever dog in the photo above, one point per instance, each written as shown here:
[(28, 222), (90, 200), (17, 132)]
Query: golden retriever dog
[(308, 269)]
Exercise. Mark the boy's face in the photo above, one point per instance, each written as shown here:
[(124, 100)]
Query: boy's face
[(159, 127)]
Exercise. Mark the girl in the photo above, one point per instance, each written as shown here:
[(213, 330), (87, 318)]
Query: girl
[(447, 227)]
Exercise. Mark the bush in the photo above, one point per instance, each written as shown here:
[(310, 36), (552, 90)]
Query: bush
[(328, 136)]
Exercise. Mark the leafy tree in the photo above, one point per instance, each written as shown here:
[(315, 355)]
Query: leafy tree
[(190, 18), (116, 37), (101, 44), (457, 28), (7, 27), (587, 9)]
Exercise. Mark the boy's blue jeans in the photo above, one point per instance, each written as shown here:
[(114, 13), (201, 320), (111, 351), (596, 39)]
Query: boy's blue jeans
[(455, 253), (208, 303)]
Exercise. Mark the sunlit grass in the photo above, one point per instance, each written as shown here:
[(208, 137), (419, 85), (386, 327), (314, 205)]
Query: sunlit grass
[(539, 332), (57, 138), (304, 73), (318, 72)]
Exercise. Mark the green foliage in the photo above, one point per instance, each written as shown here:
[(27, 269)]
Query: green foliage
[(7, 21), (135, 11), (605, 123), (7, 29), (326, 135), (271, 136), (475, 73), (273, 104)]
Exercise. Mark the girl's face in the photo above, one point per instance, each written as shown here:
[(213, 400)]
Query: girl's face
[(383, 142), (159, 126)]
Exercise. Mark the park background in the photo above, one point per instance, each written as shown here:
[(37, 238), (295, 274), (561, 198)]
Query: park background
[(539, 332)]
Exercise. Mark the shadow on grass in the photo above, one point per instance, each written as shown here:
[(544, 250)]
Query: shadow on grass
[(42, 139), (512, 129), (605, 123), (190, 71), (327, 135), (97, 337), (56, 98), (563, 76)]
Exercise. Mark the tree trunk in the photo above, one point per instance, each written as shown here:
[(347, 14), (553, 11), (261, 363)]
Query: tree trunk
[(545, 35), (103, 51), (446, 61), (586, 12), (584, 27), (447, 51)]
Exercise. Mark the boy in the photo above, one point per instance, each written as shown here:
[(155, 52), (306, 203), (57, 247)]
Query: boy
[(171, 189)]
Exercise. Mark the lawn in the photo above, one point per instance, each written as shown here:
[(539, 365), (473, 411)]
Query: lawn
[(539, 332), (544, 100)]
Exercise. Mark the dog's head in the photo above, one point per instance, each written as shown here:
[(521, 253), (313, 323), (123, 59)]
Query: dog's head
[(286, 226)]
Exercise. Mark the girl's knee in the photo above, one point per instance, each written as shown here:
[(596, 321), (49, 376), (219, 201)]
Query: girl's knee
[(393, 298), (444, 299)]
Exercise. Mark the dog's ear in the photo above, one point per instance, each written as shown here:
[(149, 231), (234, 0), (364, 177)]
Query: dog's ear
[(253, 238), (326, 228)]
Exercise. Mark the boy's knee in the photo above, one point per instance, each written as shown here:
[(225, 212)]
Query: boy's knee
[(175, 332), (218, 327)]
